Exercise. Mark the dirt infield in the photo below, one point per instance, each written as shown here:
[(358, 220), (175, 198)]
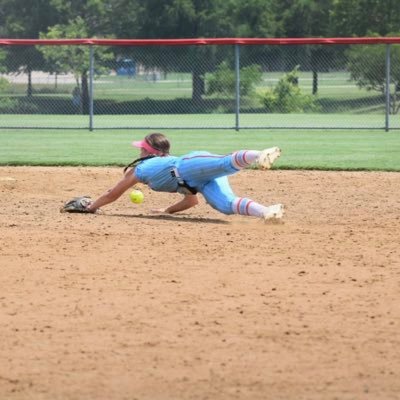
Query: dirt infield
[(129, 305)]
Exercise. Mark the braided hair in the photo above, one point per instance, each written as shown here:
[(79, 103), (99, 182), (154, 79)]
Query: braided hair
[(137, 161)]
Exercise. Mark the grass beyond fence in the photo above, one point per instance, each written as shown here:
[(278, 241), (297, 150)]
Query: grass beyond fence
[(325, 150), (171, 94), (200, 121)]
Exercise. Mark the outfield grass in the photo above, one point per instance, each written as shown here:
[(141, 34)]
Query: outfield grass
[(334, 86), (326, 150)]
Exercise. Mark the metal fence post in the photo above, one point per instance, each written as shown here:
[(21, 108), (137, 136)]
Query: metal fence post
[(237, 89), (91, 75), (387, 110)]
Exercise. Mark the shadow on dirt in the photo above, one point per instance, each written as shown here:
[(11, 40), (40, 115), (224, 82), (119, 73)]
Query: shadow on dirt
[(177, 218)]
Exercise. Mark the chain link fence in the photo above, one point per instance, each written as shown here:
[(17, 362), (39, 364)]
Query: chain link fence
[(200, 86)]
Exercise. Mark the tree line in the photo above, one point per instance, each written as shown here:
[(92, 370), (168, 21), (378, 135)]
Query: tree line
[(144, 19), (147, 19)]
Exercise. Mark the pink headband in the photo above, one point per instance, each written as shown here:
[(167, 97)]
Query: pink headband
[(142, 144)]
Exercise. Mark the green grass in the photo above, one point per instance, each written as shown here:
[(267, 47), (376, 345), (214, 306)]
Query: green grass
[(331, 85), (187, 121), (319, 149), (167, 103), (345, 106)]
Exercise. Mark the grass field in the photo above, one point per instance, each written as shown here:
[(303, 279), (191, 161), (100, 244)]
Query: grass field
[(196, 121), (166, 103), (306, 139), (337, 94), (319, 149), (331, 84)]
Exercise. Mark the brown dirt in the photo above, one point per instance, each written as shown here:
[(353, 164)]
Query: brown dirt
[(128, 305)]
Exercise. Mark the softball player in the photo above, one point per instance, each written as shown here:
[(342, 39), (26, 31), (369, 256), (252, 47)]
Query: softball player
[(196, 172)]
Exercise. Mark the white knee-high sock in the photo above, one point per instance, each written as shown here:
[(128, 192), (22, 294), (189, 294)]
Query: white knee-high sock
[(243, 158), (245, 206)]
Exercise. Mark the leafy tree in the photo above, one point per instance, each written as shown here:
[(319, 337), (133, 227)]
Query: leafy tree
[(367, 66), (286, 96), (183, 19), (251, 18), (307, 18), (198, 18), (303, 18), (74, 59), (27, 19), (149, 19), (6, 104), (97, 14), (3, 56), (223, 80), (358, 17), (121, 18), (21, 19)]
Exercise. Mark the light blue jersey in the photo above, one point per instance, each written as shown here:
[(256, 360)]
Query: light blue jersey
[(156, 173), (205, 172)]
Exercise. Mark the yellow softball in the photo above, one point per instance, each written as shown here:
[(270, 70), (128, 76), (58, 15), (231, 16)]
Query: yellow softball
[(136, 196)]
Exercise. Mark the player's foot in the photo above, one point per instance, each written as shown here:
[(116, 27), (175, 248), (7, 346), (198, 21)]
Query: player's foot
[(267, 157), (274, 213)]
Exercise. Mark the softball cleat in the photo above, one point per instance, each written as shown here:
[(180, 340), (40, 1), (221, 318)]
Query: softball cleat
[(274, 212), (267, 157)]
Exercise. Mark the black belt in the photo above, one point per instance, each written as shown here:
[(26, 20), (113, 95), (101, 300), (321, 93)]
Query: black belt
[(183, 187)]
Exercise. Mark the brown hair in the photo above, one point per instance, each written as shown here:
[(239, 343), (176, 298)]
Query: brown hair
[(159, 142)]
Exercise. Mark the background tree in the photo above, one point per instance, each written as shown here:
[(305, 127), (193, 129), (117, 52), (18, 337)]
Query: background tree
[(95, 13), (199, 18), (74, 58), (184, 19), (367, 66), (287, 97), (121, 18), (254, 18), (6, 103), (358, 17), (306, 18), (223, 80), (21, 19), (202, 18)]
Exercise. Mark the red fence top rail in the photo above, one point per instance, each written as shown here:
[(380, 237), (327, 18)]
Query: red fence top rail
[(197, 42)]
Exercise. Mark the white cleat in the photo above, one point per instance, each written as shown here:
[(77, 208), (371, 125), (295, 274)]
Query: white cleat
[(267, 157), (274, 213)]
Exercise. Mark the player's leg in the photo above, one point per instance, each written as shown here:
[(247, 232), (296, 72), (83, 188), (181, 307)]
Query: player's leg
[(197, 168), (263, 159), (200, 167), (244, 206), (220, 196)]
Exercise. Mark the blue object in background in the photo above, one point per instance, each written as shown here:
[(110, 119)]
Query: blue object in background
[(126, 67)]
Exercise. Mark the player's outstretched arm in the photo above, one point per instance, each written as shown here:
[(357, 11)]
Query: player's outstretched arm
[(188, 201), (114, 193)]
